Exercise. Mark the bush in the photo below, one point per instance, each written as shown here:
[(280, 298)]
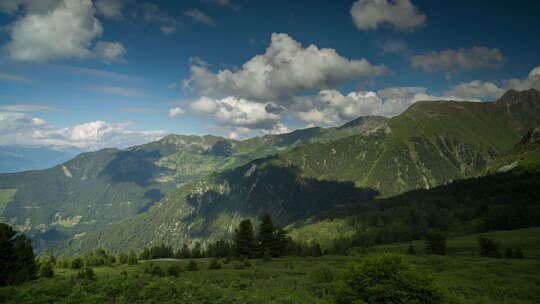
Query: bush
[(411, 250), (46, 270), (77, 263), (192, 266), (86, 273), (238, 265), (436, 242), (214, 264), (321, 281), (385, 279), (518, 254), (488, 247), (247, 263), (174, 270)]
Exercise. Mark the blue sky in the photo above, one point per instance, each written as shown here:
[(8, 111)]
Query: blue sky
[(94, 74)]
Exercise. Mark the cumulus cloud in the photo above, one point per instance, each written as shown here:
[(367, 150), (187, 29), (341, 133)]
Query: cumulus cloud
[(284, 69), (176, 111), (199, 16), (477, 89), (458, 60), (233, 111), (531, 82), (483, 90), (110, 8), (56, 29), (331, 107), (401, 14), (110, 51), (23, 129), (10, 6)]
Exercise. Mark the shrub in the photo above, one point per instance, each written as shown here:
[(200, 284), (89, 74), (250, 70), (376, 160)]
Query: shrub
[(247, 263), (192, 266), (238, 265), (411, 249), (214, 264), (436, 242), (174, 270), (46, 270), (518, 254), (77, 263), (385, 279), (509, 253), (321, 281), (86, 273), (488, 247)]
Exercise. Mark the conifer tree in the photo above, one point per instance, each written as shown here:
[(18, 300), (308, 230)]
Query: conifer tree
[(266, 237), (244, 241)]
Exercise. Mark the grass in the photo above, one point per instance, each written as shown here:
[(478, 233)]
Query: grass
[(466, 246), (467, 278)]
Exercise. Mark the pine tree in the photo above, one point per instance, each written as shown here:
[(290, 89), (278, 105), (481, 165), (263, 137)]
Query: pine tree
[(196, 252), (26, 268), (185, 252), (266, 237), (132, 258), (244, 241)]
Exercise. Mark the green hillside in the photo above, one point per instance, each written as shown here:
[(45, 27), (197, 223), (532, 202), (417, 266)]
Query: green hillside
[(98, 188), (431, 144)]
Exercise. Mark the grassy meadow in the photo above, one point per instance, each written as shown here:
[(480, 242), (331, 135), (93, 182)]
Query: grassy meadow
[(464, 276)]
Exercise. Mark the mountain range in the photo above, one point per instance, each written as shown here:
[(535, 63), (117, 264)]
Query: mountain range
[(182, 189)]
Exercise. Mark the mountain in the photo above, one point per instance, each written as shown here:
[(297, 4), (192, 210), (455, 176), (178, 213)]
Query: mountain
[(505, 198), (525, 157), (16, 158), (95, 189), (430, 144)]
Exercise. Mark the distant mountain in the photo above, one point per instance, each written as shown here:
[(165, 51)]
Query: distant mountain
[(16, 158), (95, 189), (430, 144)]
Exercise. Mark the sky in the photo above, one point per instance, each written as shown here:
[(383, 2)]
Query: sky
[(114, 73)]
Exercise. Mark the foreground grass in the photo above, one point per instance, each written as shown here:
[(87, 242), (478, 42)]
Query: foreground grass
[(465, 278)]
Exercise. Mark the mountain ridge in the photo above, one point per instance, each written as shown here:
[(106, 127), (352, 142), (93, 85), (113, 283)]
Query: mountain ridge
[(431, 144)]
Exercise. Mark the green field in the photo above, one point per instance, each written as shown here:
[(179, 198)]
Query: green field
[(464, 276)]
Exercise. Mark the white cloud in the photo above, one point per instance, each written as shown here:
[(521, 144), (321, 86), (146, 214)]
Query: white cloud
[(23, 129), (10, 6), (232, 111), (176, 111), (531, 82), (57, 29), (481, 89), (458, 60), (119, 91), (284, 69), (199, 16), (331, 108), (110, 8), (14, 78), (110, 51), (27, 108), (371, 14), (477, 89)]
